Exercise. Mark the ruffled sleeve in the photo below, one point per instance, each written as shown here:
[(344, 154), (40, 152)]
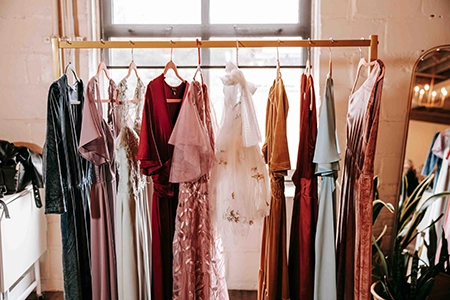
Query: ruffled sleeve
[(92, 141), (193, 155)]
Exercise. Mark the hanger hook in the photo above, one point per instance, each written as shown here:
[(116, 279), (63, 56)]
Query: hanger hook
[(132, 50), (171, 50), (278, 52), (237, 53), (329, 48), (198, 51), (360, 50)]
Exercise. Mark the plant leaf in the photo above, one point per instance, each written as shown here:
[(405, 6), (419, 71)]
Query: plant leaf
[(432, 246), (414, 274), (381, 257), (378, 206), (425, 291)]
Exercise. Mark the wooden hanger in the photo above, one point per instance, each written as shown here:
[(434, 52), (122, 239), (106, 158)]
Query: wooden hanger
[(171, 65), (102, 67), (132, 67)]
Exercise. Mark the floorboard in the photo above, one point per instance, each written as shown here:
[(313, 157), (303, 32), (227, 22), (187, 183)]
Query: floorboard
[(234, 295)]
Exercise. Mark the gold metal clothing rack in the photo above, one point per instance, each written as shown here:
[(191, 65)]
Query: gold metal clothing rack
[(58, 44)]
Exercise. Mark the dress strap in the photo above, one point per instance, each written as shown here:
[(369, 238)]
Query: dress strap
[(364, 63)]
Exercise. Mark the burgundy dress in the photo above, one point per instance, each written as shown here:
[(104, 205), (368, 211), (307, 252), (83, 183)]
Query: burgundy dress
[(304, 214), (155, 155), (97, 146)]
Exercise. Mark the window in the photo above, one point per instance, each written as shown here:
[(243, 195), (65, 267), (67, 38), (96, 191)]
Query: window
[(206, 19)]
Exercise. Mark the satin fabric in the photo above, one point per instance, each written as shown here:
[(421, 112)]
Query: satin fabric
[(326, 158), (97, 146), (304, 214), (132, 213), (155, 155)]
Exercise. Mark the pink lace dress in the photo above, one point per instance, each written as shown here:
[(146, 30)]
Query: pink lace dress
[(198, 268)]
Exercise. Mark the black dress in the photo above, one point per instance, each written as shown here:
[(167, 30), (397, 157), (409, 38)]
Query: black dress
[(67, 184)]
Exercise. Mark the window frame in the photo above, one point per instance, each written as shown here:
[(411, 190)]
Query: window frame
[(205, 29)]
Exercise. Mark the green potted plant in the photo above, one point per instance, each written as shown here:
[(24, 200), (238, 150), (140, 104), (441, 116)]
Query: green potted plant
[(399, 274)]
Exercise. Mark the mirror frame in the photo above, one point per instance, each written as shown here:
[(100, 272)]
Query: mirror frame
[(407, 121)]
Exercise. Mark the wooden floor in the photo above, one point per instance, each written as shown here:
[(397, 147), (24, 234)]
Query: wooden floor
[(234, 295)]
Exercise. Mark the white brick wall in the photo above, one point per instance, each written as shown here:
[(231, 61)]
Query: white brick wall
[(26, 65)]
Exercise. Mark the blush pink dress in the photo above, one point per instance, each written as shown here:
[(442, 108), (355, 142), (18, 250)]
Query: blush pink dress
[(97, 146), (198, 269)]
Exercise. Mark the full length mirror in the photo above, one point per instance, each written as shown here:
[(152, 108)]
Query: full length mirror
[(430, 112), (427, 167)]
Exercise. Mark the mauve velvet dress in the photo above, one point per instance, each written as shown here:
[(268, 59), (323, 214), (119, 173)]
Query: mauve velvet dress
[(354, 236)]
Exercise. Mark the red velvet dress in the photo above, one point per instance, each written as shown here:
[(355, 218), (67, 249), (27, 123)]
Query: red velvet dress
[(304, 214), (155, 155)]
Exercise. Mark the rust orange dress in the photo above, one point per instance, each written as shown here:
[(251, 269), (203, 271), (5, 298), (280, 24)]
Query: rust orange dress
[(273, 282)]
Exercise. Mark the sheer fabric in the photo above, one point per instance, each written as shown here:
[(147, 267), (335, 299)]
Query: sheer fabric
[(240, 180), (198, 269), (132, 214)]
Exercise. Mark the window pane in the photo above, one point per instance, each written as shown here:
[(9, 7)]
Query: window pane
[(254, 12), (153, 57), (156, 12)]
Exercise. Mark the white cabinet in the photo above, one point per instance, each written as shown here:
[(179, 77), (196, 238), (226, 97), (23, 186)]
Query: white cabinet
[(23, 240)]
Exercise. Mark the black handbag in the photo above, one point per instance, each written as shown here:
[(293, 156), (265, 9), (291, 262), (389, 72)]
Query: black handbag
[(20, 166)]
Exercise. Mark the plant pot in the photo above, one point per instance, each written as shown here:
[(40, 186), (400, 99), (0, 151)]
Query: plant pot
[(374, 288), (441, 288)]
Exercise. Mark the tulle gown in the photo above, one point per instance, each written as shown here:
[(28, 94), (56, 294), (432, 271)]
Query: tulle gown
[(240, 189)]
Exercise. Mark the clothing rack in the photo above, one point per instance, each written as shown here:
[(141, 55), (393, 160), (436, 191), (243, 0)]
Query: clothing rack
[(58, 44)]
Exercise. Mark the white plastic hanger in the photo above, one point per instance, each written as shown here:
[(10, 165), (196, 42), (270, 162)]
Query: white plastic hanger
[(71, 68)]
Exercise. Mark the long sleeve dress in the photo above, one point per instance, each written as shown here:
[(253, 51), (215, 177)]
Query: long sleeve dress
[(67, 182), (273, 281), (155, 155)]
